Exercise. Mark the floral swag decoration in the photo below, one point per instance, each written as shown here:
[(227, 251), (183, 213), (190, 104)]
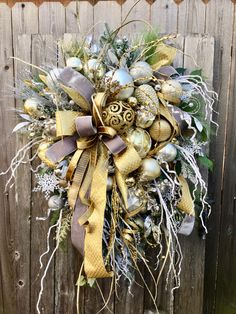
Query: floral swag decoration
[(120, 133)]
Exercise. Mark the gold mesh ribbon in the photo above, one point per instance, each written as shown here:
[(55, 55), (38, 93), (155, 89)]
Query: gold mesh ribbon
[(93, 260), (65, 122)]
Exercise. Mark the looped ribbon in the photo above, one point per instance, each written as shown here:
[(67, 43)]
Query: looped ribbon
[(86, 137)]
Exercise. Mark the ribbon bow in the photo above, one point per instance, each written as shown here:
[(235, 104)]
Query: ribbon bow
[(86, 137)]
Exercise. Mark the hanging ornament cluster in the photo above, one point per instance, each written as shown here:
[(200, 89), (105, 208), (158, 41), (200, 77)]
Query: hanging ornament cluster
[(120, 134)]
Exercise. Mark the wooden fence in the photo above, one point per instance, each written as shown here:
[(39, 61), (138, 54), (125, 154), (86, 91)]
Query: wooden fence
[(208, 280)]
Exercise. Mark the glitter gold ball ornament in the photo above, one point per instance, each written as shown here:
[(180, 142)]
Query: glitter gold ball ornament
[(141, 72), (118, 115), (125, 81), (55, 202), (168, 153), (144, 118), (95, 69), (132, 101), (74, 63), (109, 183), (160, 130), (172, 91), (42, 149), (31, 106), (141, 141), (150, 169), (146, 96)]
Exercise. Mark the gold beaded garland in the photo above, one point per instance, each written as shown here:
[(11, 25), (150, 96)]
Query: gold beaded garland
[(118, 115)]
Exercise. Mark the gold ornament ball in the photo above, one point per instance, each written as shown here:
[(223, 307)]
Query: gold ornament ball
[(42, 149), (31, 106), (118, 115), (147, 97), (141, 72), (144, 118), (132, 101), (172, 89), (150, 169), (141, 141), (160, 130), (109, 183)]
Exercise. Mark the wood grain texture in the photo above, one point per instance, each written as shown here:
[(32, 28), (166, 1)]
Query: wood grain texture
[(52, 19), (106, 12), (42, 53), (7, 207), (201, 49), (141, 12), (219, 23), (226, 275), (79, 17), (191, 17), (22, 49), (164, 16), (24, 19)]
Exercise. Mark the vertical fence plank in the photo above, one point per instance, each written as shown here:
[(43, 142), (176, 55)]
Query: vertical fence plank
[(42, 53), (79, 17), (226, 274), (101, 16), (201, 48), (219, 23), (52, 19), (22, 50), (7, 206), (140, 12), (164, 16), (191, 17), (24, 19)]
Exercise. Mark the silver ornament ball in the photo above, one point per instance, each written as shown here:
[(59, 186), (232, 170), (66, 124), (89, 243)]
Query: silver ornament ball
[(55, 202), (168, 153), (125, 81), (150, 169), (74, 63)]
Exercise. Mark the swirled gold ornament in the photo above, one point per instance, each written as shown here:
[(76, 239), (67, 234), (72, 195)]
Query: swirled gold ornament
[(141, 141), (160, 130), (146, 96), (118, 115)]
